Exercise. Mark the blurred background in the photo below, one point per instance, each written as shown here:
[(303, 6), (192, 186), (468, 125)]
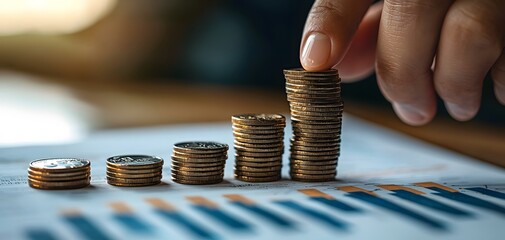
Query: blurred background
[(68, 68)]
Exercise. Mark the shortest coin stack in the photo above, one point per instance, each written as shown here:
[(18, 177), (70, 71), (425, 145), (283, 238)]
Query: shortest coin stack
[(134, 170), (199, 163), (59, 173), (259, 145)]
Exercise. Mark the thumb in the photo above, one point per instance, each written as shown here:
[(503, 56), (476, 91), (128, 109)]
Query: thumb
[(328, 32)]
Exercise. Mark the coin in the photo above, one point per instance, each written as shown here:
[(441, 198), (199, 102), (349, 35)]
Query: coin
[(278, 144), (133, 180), (258, 164), (259, 141), (314, 172), (59, 164), (134, 171), (311, 161), (58, 178), (134, 161), (211, 178), (312, 167), (258, 179), (259, 136), (242, 158), (122, 175), (121, 184), (258, 119), (250, 149), (181, 173), (189, 159), (258, 154), (199, 147), (59, 184), (196, 182), (198, 156), (279, 126), (198, 165), (321, 177), (258, 169)]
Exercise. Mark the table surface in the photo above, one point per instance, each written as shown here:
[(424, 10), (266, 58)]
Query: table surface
[(120, 104)]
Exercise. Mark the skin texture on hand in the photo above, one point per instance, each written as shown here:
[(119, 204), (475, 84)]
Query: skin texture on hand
[(418, 48)]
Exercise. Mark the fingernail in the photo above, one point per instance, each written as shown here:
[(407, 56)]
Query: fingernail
[(316, 50), (459, 112), (410, 114)]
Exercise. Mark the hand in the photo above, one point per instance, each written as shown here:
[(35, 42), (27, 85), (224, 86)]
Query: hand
[(417, 47)]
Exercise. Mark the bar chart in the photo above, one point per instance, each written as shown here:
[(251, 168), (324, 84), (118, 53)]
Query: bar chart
[(432, 207)]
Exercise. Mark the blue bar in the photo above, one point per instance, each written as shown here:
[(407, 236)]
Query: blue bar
[(84, 226), (224, 218), (268, 215), (430, 203), (132, 223), (488, 192), (383, 203), (186, 223), (469, 200), (336, 223), (334, 203), (40, 234)]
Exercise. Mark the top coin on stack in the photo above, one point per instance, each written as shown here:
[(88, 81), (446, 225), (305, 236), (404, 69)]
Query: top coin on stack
[(316, 116), (134, 170), (59, 173), (199, 163), (259, 145)]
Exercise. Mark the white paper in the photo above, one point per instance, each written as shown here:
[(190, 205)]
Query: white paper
[(371, 156)]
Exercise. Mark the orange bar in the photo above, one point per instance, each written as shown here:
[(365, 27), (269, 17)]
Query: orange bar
[(71, 212), (392, 187), (311, 192), (197, 200), (239, 198), (120, 207), (355, 189), (432, 184), (160, 203)]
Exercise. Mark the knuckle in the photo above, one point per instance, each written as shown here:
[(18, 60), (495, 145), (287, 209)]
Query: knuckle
[(479, 25), (325, 8)]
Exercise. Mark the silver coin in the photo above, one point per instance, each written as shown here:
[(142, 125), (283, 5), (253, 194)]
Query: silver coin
[(59, 164), (134, 161), (200, 147)]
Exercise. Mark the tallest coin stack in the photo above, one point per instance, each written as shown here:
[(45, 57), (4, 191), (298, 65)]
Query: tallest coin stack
[(316, 116)]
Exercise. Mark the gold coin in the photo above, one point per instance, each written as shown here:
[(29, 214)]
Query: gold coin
[(258, 169), (199, 160), (307, 85), (57, 178), (257, 159), (278, 127), (257, 174), (59, 184), (122, 175), (197, 182), (303, 72), (315, 149), (259, 136), (258, 141), (258, 164), (133, 171), (58, 174), (122, 184), (197, 169), (133, 180), (279, 144), (312, 167), (258, 154), (314, 162), (199, 178), (316, 159), (179, 173), (249, 149), (220, 164), (321, 153), (258, 179), (258, 119), (313, 172), (45, 187), (199, 156), (307, 177), (258, 132)]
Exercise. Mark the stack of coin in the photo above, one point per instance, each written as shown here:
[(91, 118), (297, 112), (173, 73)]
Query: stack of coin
[(59, 173), (134, 170), (199, 163), (316, 116), (259, 145)]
